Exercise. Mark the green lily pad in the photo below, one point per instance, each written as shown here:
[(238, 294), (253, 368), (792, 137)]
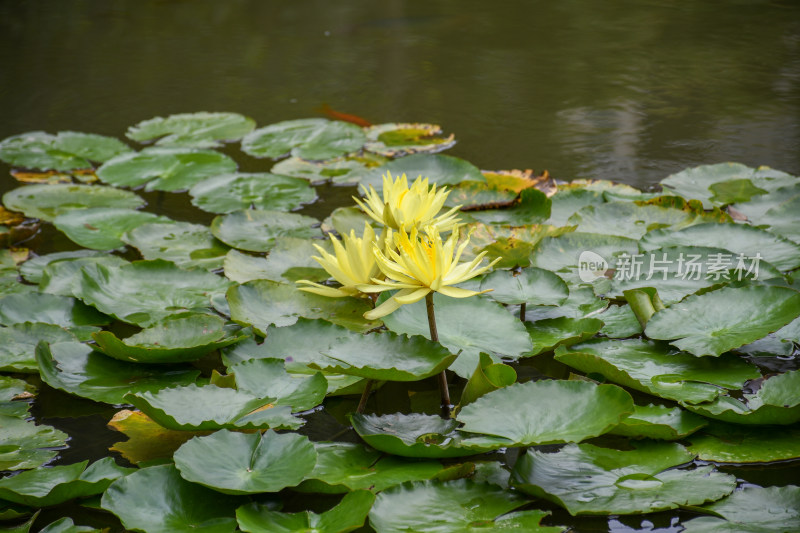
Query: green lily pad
[(289, 260), (165, 169), (380, 356), (776, 402), (418, 435), (565, 202), (185, 244), (533, 207), (532, 286), (297, 345), (730, 443), (48, 308), (619, 322), (63, 277), (749, 241), (196, 408), (311, 138), (657, 369), (344, 219), (627, 219), (262, 303), (732, 191), (246, 463), (452, 506), (44, 487), (778, 210), (696, 182), (393, 140), (198, 130), (101, 228), (343, 467), (465, 325), (659, 422), (557, 411), (348, 515), (679, 271), (258, 231), (439, 169), (269, 378), (488, 376), (564, 251), (158, 500), (48, 201), (721, 320), (581, 303), (68, 150), (586, 479), (66, 525), (18, 343), (176, 339), (320, 171), (550, 333), (76, 369), (751, 510), (227, 193), (33, 269), (12, 387), (145, 292), (25, 445)]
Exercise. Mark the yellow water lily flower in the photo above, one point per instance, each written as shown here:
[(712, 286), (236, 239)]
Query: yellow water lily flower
[(352, 264), (404, 207), (420, 264)]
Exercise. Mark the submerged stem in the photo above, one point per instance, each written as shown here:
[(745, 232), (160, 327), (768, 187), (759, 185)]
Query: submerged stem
[(522, 311), (442, 378), (364, 395)]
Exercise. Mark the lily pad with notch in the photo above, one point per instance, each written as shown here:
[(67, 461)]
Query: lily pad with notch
[(68, 150), (659, 422), (402, 139), (532, 286), (226, 193), (258, 231), (25, 444), (311, 138), (101, 228), (195, 408), (165, 169), (751, 509), (269, 378), (549, 333), (439, 169), (557, 412), (197, 130), (735, 443), (246, 463), (587, 479), (49, 201), (183, 243), (157, 499)]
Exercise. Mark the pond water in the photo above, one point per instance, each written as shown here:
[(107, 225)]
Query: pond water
[(626, 90), (629, 91)]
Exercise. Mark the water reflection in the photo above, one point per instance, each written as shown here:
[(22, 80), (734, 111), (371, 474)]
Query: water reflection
[(625, 90)]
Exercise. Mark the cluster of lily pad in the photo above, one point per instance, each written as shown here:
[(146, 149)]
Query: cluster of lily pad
[(621, 392)]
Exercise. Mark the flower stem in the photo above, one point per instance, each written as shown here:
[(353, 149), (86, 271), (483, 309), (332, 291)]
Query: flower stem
[(522, 311), (442, 378), (364, 395)]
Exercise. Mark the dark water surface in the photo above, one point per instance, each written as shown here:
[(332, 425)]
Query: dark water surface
[(630, 90), (626, 90)]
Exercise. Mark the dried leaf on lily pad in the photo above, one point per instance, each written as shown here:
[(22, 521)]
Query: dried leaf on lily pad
[(397, 139), (587, 479), (147, 440)]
